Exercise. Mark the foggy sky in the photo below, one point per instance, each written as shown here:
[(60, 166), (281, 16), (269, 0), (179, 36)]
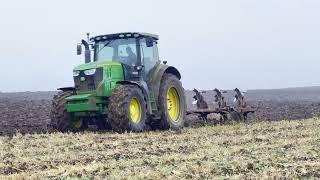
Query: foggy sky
[(251, 44)]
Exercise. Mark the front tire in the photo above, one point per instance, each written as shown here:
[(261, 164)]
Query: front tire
[(172, 103), (61, 120), (127, 110)]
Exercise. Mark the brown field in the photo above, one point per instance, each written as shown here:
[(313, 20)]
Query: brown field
[(283, 149), (28, 112)]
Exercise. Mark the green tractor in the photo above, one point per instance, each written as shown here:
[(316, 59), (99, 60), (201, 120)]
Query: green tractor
[(124, 87)]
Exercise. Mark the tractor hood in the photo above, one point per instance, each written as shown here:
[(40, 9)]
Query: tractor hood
[(93, 65), (102, 81)]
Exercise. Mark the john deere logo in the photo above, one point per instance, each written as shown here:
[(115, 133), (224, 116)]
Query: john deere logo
[(82, 78)]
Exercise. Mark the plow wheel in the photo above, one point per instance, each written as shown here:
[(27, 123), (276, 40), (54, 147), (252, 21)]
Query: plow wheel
[(234, 116), (231, 116)]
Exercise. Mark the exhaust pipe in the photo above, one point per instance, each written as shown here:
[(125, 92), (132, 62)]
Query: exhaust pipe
[(87, 52)]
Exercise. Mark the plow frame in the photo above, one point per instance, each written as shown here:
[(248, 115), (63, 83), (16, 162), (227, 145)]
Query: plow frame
[(203, 113), (241, 110)]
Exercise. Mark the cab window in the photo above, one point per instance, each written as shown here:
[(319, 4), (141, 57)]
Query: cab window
[(121, 50), (149, 55)]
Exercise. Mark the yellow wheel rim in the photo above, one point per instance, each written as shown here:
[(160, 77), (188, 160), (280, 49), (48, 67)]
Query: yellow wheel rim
[(77, 123), (135, 110), (173, 104)]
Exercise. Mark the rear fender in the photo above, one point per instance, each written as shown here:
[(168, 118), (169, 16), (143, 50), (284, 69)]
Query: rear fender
[(155, 81)]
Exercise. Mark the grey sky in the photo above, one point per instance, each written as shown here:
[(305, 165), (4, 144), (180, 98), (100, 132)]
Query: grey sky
[(272, 44)]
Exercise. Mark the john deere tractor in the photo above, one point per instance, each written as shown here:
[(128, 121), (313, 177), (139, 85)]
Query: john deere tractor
[(124, 87)]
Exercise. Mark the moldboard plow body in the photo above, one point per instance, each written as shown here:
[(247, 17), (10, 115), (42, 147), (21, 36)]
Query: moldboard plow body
[(238, 113)]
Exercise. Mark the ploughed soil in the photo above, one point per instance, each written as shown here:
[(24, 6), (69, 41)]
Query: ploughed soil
[(28, 112)]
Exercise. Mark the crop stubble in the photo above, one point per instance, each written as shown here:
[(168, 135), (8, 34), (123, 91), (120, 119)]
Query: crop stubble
[(284, 149)]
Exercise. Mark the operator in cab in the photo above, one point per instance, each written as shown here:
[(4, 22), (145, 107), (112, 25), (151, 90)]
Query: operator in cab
[(132, 57)]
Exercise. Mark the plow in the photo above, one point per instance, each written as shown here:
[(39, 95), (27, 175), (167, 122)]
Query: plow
[(239, 112)]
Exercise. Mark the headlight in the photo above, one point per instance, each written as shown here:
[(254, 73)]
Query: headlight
[(90, 72), (76, 73)]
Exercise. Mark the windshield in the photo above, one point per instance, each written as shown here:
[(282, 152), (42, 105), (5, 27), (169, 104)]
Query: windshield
[(120, 50)]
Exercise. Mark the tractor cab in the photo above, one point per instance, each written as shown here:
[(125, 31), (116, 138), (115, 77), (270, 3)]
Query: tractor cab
[(137, 52)]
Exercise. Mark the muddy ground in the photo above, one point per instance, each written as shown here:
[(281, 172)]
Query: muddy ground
[(28, 112)]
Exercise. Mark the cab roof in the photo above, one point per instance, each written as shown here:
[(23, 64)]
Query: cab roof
[(124, 35)]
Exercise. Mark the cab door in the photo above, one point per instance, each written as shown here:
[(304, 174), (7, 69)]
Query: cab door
[(149, 57)]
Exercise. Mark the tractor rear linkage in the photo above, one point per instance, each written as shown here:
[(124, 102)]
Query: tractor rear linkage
[(238, 113)]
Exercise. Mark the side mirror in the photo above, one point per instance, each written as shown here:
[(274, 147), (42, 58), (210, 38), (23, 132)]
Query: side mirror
[(79, 49), (149, 42)]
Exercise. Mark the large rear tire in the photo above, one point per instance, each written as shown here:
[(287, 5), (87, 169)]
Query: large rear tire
[(61, 120), (172, 103), (127, 110)]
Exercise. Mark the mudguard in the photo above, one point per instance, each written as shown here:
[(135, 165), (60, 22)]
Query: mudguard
[(155, 82)]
